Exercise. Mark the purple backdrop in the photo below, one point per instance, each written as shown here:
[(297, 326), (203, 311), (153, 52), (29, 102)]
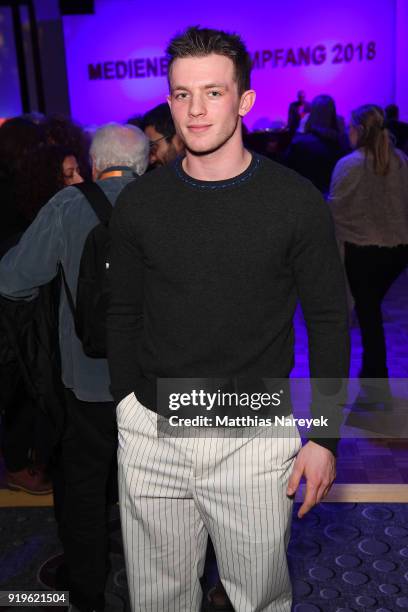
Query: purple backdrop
[(345, 50)]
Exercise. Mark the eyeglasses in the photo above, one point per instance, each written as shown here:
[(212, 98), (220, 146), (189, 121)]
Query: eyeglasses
[(153, 143)]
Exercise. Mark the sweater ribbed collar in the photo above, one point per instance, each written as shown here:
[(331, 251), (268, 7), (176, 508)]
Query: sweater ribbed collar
[(215, 185)]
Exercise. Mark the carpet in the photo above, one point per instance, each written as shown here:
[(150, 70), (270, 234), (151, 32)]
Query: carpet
[(342, 557)]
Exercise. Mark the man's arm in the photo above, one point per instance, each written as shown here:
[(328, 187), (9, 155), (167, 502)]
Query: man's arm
[(34, 261), (319, 279), (125, 312)]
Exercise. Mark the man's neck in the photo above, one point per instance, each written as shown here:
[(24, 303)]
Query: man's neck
[(220, 165)]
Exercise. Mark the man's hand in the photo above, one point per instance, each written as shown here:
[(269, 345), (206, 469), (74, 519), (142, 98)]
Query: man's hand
[(318, 465)]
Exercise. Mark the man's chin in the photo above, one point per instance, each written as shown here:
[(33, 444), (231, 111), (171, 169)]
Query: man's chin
[(202, 149)]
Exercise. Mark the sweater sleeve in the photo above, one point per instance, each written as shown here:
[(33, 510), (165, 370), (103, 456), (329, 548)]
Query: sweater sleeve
[(125, 311), (320, 285)]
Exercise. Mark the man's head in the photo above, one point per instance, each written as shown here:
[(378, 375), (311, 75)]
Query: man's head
[(119, 145), (209, 80), (391, 112), (165, 144), (301, 96)]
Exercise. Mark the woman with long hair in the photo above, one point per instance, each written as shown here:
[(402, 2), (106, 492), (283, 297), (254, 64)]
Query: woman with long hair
[(46, 171), (62, 131), (314, 152), (369, 201)]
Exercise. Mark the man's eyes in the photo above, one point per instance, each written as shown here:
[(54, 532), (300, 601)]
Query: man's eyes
[(183, 95)]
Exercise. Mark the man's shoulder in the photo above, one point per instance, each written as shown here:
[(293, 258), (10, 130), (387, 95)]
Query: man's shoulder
[(283, 179), (148, 184), (148, 194), (293, 195)]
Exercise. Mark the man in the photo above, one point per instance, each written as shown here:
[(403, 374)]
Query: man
[(57, 235), (209, 256), (297, 110), (165, 143)]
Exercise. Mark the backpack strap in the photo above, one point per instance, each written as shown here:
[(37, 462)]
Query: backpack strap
[(102, 208), (97, 199)]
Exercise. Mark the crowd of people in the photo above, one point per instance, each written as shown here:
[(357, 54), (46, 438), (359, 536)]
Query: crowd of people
[(189, 297)]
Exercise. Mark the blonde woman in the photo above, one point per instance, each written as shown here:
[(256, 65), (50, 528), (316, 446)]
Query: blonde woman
[(369, 201)]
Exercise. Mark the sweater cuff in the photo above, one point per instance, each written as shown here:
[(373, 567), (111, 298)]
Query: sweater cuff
[(329, 443)]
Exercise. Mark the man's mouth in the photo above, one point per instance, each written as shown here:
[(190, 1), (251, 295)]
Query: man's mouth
[(197, 128)]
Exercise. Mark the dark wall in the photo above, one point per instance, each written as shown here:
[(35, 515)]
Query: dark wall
[(52, 56)]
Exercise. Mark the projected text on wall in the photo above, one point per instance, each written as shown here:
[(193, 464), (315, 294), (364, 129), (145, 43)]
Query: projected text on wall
[(140, 68)]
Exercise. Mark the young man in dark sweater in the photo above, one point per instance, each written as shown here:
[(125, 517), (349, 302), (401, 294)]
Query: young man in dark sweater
[(209, 258)]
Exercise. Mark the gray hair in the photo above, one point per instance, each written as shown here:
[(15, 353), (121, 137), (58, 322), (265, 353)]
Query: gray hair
[(120, 145)]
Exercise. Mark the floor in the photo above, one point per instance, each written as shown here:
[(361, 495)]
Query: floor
[(342, 557)]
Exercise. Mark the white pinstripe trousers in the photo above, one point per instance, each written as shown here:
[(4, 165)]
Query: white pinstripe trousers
[(175, 491)]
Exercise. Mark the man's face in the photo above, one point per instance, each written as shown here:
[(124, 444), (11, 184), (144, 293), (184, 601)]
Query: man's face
[(204, 102), (301, 96), (162, 151)]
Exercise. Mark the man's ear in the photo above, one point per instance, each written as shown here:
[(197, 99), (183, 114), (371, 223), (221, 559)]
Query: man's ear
[(247, 102)]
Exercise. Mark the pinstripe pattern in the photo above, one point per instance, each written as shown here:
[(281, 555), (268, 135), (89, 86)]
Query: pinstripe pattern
[(175, 491)]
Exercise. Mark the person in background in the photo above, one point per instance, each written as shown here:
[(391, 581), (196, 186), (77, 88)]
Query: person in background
[(391, 113), (20, 139), (297, 110), (31, 173), (368, 199), (315, 152), (165, 143), (70, 170), (88, 448), (398, 129), (59, 130), (46, 171), (136, 120)]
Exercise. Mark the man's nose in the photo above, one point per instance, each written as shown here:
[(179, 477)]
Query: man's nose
[(197, 106)]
